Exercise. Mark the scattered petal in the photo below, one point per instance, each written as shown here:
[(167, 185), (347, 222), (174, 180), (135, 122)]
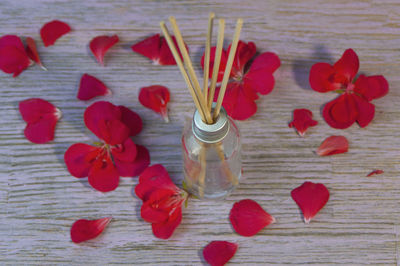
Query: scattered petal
[(375, 172), (41, 117), (218, 253), (83, 230), (155, 97), (32, 52), (302, 120), (53, 30), (13, 57), (100, 45), (91, 87), (333, 145), (248, 217), (310, 198), (79, 158)]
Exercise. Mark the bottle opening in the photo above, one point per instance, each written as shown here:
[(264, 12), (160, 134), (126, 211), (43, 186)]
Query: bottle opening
[(211, 133)]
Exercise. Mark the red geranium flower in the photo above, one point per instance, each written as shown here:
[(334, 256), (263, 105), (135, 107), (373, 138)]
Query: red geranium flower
[(117, 155), (162, 200), (13, 57), (354, 103), (247, 79)]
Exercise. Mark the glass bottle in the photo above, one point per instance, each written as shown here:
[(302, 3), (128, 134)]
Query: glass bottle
[(211, 156)]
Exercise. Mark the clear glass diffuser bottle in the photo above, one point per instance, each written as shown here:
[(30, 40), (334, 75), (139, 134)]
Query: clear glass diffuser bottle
[(211, 156)]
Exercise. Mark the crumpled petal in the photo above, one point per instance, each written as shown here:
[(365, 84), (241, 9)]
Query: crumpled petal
[(156, 98), (13, 57), (165, 229), (83, 230), (244, 52), (79, 158), (91, 87), (53, 30), (311, 198), (341, 112), (101, 44), (333, 145), (320, 77), (371, 87), (375, 172), (132, 120), (248, 217), (32, 52), (41, 117), (103, 176), (218, 253), (222, 64), (302, 120), (135, 168), (347, 65), (366, 111)]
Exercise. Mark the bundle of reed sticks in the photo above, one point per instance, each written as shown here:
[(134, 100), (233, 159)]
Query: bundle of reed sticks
[(203, 98)]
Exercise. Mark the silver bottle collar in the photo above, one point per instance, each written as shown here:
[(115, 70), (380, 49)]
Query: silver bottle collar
[(211, 133)]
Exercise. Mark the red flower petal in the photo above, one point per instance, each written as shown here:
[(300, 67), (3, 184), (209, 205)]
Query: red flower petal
[(156, 49), (166, 229), (32, 52), (155, 97), (135, 168), (125, 152), (13, 57), (132, 120), (222, 64), (101, 44), (91, 87), (155, 209), (347, 65), (310, 198), (53, 30), (113, 132), (372, 87), (319, 78), (83, 230), (302, 120), (244, 52), (218, 253), (366, 111), (103, 176), (333, 145), (341, 112), (41, 117), (248, 218), (375, 172), (79, 158)]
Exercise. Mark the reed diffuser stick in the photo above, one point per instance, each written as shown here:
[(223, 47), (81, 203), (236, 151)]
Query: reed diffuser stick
[(207, 57), (228, 68)]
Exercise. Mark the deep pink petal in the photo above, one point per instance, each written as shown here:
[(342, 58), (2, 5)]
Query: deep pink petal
[(135, 168), (267, 61), (12, 40), (157, 208), (83, 230), (91, 87), (103, 176), (113, 132), (41, 131), (166, 57), (149, 47), (366, 111), (125, 152), (51, 31), (341, 112), (218, 253), (156, 98), (302, 120), (99, 111), (248, 217), (13, 61), (347, 65), (333, 145), (132, 120), (100, 45), (260, 81), (372, 87), (320, 77), (166, 229), (310, 198), (32, 52), (79, 158)]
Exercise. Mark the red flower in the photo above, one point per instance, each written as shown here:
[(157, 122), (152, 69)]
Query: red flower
[(155, 97), (41, 118), (162, 200), (302, 120), (32, 52), (157, 49), (90, 87), (100, 45), (248, 217), (51, 31), (13, 56), (310, 198), (353, 105), (116, 156), (333, 145), (83, 230), (218, 253), (247, 79)]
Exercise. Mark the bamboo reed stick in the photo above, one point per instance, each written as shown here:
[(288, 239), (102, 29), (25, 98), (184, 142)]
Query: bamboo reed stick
[(207, 58), (228, 68)]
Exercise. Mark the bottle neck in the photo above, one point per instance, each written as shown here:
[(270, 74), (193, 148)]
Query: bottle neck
[(211, 133)]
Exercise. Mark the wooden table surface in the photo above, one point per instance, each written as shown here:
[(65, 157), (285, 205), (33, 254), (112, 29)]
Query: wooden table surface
[(39, 199)]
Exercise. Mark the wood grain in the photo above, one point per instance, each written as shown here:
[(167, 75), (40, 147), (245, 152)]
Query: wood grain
[(39, 199)]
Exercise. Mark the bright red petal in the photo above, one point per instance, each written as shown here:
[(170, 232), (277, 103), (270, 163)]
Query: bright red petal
[(244, 52), (113, 132), (333, 145), (91, 87), (135, 168), (132, 120), (310, 198), (375, 172), (259, 81), (155, 97), (101, 44), (103, 176), (166, 57), (149, 47), (320, 77), (79, 159), (125, 152), (372, 87), (32, 52), (341, 112), (366, 111), (41, 117), (166, 229), (53, 30), (99, 111), (83, 230), (222, 64), (302, 120), (268, 61), (218, 253), (12, 40), (248, 218), (347, 65), (156, 209), (13, 61)]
